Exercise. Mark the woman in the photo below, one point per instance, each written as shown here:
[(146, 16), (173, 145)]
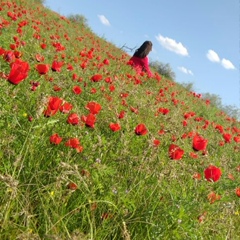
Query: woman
[(139, 60)]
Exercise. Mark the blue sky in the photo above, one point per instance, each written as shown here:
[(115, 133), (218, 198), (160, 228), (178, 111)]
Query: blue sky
[(199, 39)]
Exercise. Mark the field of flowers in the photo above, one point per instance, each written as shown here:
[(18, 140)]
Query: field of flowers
[(91, 150)]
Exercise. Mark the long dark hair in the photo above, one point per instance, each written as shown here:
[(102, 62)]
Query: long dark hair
[(144, 50)]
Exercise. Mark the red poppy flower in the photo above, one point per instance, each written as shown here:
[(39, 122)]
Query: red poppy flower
[(42, 68), (72, 186), (189, 115), (114, 127), (56, 88), (17, 54), (212, 173), (83, 65), (219, 128), (19, 71), (141, 129), (77, 90), (199, 143), (39, 57), (93, 107), (197, 176), (164, 111), (175, 152), (72, 142), (69, 67), (212, 197), (237, 139), (73, 119), (111, 88), (93, 90), (90, 120), (237, 191), (9, 56), (79, 149), (227, 137), (193, 155), (184, 123), (108, 80), (156, 142), (55, 139), (43, 45), (96, 78), (56, 66), (53, 106), (66, 107), (121, 114), (134, 110), (106, 61)]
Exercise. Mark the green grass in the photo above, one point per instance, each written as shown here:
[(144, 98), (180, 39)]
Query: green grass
[(126, 188)]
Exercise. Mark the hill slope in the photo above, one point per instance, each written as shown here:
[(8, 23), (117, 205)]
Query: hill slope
[(90, 150)]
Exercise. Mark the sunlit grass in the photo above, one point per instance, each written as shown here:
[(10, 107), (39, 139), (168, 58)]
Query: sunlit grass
[(113, 185)]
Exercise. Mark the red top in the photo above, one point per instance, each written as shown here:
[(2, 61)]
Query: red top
[(141, 65)]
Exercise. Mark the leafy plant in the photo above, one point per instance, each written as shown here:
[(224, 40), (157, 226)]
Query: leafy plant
[(92, 150)]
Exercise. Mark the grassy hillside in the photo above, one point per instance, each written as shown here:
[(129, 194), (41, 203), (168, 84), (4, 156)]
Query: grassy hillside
[(90, 150)]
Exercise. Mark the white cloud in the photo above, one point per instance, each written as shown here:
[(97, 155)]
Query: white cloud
[(172, 45), (184, 70), (213, 56), (227, 64), (104, 20)]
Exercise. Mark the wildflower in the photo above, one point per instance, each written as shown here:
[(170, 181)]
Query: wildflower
[(134, 110), (156, 142), (56, 88), (114, 127), (202, 217), (175, 152), (93, 107), (237, 191), (77, 90), (193, 155), (42, 68), (96, 78), (73, 119), (106, 61), (237, 139), (56, 66), (212, 173), (164, 111), (141, 129), (199, 143), (72, 186), (212, 197), (227, 137), (73, 143), (66, 107), (89, 120), (39, 57), (111, 88), (19, 71), (184, 123), (53, 106), (55, 139), (197, 176)]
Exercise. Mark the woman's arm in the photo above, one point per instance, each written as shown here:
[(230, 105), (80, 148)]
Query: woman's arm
[(146, 67)]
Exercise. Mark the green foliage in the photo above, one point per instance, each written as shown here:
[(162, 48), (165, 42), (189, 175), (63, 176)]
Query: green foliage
[(216, 101), (118, 185), (189, 86), (164, 69), (77, 18)]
